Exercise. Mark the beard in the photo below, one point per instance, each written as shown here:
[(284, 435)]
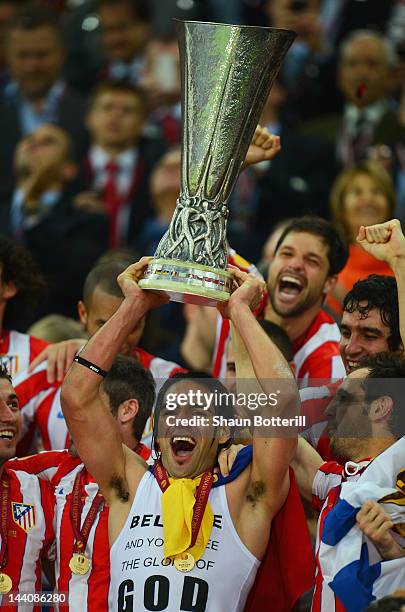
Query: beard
[(342, 447)]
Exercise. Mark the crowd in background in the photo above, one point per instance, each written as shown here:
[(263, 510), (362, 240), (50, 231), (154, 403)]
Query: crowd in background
[(90, 125), (90, 120)]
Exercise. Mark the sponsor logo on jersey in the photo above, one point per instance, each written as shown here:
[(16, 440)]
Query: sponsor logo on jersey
[(24, 516)]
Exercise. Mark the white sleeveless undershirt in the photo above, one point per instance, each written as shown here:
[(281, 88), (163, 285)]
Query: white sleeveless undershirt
[(142, 581)]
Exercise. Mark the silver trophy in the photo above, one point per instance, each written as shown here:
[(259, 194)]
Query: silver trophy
[(226, 73)]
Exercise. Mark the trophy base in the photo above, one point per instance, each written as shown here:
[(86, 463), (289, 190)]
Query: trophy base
[(188, 283)]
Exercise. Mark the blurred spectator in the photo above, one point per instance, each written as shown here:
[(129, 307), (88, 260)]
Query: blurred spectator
[(64, 241), (344, 17), (8, 9), (164, 189), (22, 288), (308, 65), (37, 93), (120, 161), (290, 185), (369, 116), (362, 195), (161, 81), (55, 328), (303, 17), (125, 29)]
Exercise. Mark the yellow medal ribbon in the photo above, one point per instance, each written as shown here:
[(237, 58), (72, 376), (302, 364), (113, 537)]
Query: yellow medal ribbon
[(178, 502)]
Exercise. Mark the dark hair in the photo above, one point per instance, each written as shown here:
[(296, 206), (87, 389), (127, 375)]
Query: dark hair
[(387, 604), (104, 276), (140, 8), (32, 17), (202, 378), (386, 370), (125, 380), (279, 337), (119, 86), (18, 266), (381, 292), (316, 226), (4, 374)]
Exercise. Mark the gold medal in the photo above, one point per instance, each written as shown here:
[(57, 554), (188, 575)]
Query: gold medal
[(79, 564), (6, 584), (184, 562)]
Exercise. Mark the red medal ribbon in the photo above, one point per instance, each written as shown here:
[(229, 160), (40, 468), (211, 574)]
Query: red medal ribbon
[(76, 508), (201, 495), (5, 517)]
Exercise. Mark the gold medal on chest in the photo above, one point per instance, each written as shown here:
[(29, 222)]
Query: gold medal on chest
[(79, 564), (6, 584), (184, 562)]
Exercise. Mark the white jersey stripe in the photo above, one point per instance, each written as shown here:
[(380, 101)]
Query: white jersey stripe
[(57, 428), (328, 332), (78, 585)]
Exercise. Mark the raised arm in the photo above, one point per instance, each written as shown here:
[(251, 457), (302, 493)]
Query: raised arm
[(386, 242), (90, 423), (256, 356), (306, 463)]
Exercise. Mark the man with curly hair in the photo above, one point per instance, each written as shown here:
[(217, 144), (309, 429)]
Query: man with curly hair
[(22, 288)]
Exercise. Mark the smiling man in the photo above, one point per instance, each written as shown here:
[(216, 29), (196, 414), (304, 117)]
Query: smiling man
[(26, 507), (230, 522), (308, 257), (370, 321)]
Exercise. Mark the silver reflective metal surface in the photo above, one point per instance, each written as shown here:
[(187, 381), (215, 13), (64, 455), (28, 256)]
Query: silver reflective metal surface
[(227, 72)]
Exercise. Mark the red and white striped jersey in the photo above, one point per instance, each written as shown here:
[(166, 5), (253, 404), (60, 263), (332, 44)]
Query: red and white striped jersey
[(18, 350), (325, 494), (88, 592), (30, 532), (314, 402), (40, 407), (316, 354), (223, 327), (40, 403)]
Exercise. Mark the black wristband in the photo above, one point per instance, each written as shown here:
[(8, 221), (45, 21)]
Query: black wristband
[(91, 366)]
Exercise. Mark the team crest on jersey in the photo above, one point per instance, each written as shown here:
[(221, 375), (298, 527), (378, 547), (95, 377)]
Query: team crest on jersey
[(24, 516), (10, 362)]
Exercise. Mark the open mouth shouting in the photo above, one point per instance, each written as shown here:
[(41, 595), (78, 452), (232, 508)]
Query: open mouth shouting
[(182, 448), (289, 287)]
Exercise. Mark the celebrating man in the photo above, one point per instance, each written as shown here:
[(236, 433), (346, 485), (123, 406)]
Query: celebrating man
[(153, 540)]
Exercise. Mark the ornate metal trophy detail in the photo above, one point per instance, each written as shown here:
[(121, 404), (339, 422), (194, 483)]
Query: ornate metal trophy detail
[(227, 72)]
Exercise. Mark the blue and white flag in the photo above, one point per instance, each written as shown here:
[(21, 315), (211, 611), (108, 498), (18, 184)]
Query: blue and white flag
[(350, 563)]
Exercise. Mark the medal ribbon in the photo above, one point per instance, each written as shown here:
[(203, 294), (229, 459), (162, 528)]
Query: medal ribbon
[(180, 540), (5, 517), (76, 509)]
